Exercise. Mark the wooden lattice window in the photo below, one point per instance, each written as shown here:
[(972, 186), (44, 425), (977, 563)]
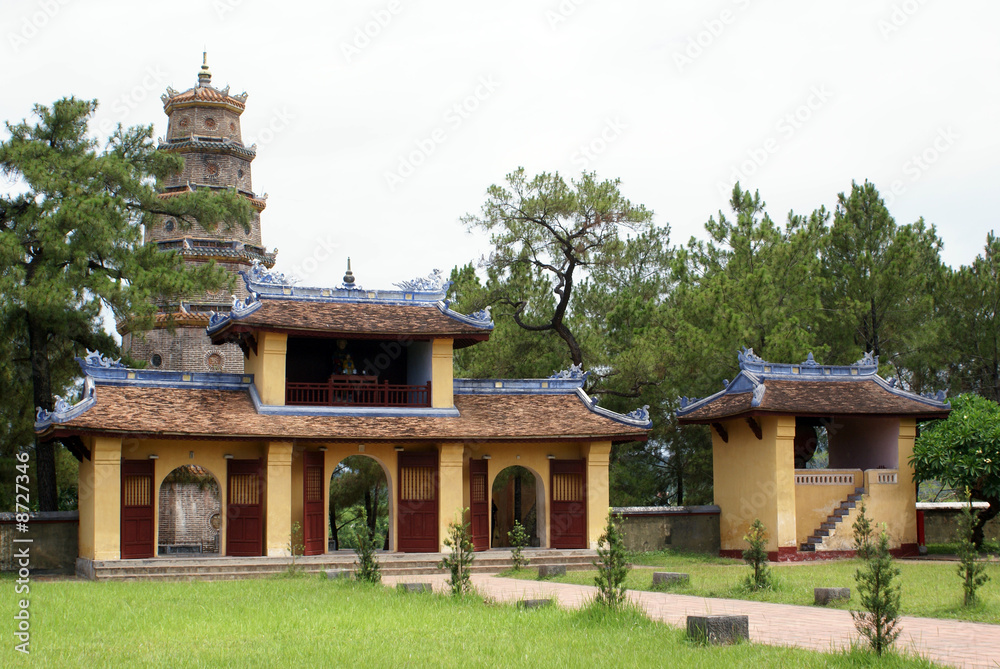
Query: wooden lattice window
[(243, 489), (417, 484), (314, 484), (136, 489), (479, 488), (567, 488)]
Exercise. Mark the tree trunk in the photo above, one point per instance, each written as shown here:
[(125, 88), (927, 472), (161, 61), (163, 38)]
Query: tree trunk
[(983, 517), (333, 526), (517, 497), (41, 383)]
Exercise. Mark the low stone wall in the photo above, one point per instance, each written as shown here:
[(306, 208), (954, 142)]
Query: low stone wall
[(53, 546), (692, 529), (941, 521)]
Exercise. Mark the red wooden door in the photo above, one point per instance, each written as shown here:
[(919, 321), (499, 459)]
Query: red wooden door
[(418, 502), (314, 518), (137, 509), (479, 505), (568, 516), (244, 508)]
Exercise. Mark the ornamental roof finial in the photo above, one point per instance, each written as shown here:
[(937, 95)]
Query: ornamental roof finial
[(349, 276), (205, 75)]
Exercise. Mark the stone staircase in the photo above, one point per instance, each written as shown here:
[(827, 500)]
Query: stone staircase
[(816, 539), (202, 568)]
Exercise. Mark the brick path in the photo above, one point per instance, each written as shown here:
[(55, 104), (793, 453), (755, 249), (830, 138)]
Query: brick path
[(947, 642)]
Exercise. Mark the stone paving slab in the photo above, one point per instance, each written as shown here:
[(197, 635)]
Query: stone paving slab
[(951, 643)]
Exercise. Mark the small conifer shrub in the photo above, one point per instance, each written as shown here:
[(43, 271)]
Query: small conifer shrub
[(518, 540), (459, 560), (612, 564), (755, 555), (879, 591), (969, 567), (368, 568)]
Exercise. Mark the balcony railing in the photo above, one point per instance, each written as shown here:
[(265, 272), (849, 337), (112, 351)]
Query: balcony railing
[(357, 391)]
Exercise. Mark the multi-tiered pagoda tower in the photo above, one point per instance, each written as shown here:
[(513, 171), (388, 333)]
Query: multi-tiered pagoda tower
[(204, 127)]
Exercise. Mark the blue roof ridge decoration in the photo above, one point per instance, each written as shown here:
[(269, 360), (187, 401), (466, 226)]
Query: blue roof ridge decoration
[(101, 370), (264, 284), (432, 283), (63, 411), (638, 418), (755, 371), (563, 382)]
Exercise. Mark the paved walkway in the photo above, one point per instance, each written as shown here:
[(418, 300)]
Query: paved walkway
[(948, 642)]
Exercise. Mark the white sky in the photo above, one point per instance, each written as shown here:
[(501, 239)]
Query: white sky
[(671, 96)]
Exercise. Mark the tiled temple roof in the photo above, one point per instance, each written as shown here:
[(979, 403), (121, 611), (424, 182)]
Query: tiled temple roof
[(810, 389), (205, 405), (417, 309), (222, 145)]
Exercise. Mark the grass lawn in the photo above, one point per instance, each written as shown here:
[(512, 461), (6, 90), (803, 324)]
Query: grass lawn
[(929, 589), (306, 621)]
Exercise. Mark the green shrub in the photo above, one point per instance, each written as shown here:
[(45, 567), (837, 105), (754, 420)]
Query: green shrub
[(969, 567), (368, 569), (612, 565), (518, 540), (459, 560), (755, 555), (880, 596)]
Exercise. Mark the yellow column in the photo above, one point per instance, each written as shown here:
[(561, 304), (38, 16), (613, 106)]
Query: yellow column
[(278, 526), (450, 493), (598, 456), (100, 498), (784, 483), (442, 374), (268, 366), (907, 497)]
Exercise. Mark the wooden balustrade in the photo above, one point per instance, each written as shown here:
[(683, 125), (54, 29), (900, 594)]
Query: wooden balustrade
[(358, 391)]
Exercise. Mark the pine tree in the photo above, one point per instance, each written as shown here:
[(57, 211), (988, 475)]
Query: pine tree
[(864, 534), (612, 564), (71, 242), (880, 595)]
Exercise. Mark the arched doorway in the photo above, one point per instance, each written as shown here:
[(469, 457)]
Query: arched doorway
[(190, 512), (518, 494), (359, 489)]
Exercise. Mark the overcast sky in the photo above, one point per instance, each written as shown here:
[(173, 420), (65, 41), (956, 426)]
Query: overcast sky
[(379, 124)]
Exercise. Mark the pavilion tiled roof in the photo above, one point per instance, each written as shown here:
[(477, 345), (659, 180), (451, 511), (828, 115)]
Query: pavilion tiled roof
[(809, 389), (204, 94), (200, 412), (353, 318)]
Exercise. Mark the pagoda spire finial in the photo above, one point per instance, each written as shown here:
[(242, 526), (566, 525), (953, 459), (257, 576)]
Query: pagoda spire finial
[(349, 276), (205, 75)]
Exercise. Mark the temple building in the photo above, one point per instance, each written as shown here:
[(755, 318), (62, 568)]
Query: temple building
[(203, 126), (766, 424), (332, 373)]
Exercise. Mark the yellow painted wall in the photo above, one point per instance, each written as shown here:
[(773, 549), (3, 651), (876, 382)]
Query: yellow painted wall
[(598, 489), (174, 453), (297, 502), (450, 488), (278, 491), (756, 479), (442, 374), (534, 457), (814, 503), (99, 484), (268, 366)]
